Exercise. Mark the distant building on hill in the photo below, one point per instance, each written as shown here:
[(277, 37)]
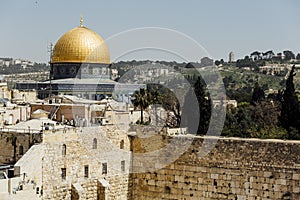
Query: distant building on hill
[(231, 57)]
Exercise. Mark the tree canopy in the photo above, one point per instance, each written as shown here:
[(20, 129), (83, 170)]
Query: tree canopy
[(141, 99)]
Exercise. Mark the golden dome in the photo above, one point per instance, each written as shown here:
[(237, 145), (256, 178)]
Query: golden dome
[(80, 45)]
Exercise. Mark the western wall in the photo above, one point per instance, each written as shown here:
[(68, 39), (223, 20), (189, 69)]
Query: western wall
[(238, 169)]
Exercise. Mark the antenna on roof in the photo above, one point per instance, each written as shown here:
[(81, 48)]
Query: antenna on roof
[(50, 50)]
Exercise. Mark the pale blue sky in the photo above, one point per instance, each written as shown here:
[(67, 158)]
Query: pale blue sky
[(219, 26)]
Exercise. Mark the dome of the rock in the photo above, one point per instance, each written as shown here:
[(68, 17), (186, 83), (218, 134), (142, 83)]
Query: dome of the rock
[(80, 45)]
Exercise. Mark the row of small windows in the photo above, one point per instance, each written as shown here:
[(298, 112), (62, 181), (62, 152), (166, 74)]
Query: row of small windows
[(86, 167), (64, 147), (73, 70), (86, 170), (95, 144)]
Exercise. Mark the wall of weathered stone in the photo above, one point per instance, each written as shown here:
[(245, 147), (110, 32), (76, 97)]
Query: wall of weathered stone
[(9, 148), (24, 96), (80, 152), (5, 92), (234, 169), (70, 112), (15, 114)]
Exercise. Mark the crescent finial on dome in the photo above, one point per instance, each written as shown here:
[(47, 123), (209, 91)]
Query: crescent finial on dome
[(81, 21)]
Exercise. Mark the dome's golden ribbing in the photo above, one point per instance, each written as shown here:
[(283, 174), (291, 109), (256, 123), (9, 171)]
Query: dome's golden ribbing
[(80, 45)]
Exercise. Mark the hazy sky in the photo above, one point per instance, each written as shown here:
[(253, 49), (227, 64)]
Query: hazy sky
[(220, 26)]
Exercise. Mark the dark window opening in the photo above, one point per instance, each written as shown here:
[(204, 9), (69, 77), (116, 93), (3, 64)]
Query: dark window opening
[(21, 150), (67, 71), (63, 173), (168, 189), (215, 183), (94, 143), (104, 168), (122, 144), (86, 171)]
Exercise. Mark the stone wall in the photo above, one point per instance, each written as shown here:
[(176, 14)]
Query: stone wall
[(24, 96), (208, 168), (241, 169), (31, 164), (12, 143), (4, 91), (70, 112), (13, 114), (81, 151)]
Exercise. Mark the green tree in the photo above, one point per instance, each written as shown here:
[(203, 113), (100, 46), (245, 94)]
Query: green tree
[(244, 120), (290, 111), (172, 105), (258, 93), (241, 94), (256, 55), (168, 100), (258, 120), (141, 99), (197, 108), (204, 105), (246, 62), (268, 55), (289, 55), (217, 62)]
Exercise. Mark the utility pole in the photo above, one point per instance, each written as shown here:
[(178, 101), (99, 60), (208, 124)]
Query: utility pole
[(50, 51)]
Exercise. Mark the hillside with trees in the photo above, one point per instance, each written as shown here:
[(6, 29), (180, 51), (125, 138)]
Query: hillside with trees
[(268, 105)]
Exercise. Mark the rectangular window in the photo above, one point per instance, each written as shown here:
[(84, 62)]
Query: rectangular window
[(86, 171), (63, 173), (104, 168), (123, 165)]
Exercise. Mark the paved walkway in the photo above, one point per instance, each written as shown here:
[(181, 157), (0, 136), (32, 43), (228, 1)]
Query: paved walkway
[(28, 193), (21, 195)]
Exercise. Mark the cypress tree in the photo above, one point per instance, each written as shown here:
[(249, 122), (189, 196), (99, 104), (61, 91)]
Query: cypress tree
[(290, 111)]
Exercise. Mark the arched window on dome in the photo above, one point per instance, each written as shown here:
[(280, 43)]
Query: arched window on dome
[(94, 143)]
